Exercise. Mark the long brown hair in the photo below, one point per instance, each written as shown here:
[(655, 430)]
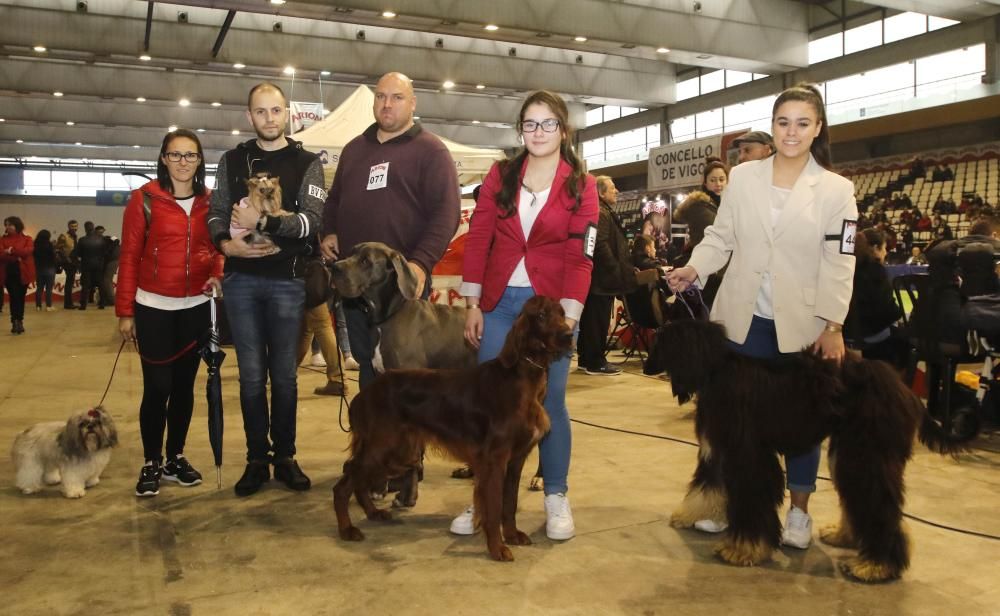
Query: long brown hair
[(808, 93), (510, 170)]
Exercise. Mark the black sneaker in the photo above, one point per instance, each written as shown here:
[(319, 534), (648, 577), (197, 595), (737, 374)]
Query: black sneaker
[(149, 479), (256, 474), (605, 370), (287, 471), (179, 470)]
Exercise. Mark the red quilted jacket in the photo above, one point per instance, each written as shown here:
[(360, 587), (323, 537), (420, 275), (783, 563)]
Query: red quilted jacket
[(174, 258), (23, 252)]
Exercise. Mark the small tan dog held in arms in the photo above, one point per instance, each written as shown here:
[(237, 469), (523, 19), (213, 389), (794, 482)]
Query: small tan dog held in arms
[(265, 198), (72, 453)]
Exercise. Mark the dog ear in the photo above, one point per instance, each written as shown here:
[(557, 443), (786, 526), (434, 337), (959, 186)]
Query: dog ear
[(70, 440), (108, 432), (405, 278)]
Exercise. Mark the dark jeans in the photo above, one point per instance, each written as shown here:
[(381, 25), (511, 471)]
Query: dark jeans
[(265, 316), (594, 331), (362, 339), (44, 279), (762, 343), (90, 279), (168, 389), (17, 290), (68, 286)]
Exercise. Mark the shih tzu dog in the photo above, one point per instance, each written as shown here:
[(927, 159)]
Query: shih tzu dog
[(72, 453), (264, 197)]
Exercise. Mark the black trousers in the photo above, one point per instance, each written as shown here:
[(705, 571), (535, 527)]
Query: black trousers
[(90, 279), (594, 323), (17, 290), (68, 286), (168, 389)]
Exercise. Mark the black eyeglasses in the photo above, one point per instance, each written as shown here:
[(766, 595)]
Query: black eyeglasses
[(191, 157), (548, 126)]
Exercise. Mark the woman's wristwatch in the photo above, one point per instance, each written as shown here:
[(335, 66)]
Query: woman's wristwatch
[(834, 328)]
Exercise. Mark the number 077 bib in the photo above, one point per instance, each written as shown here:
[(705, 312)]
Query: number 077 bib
[(378, 176)]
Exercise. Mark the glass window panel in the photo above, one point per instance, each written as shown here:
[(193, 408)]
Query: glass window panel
[(904, 25), (863, 37), (594, 149), (611, 112), (210, 181), (64, 179), (37, 179), (595, 116), (971, 60), (826, 48), (653, 136), (760, 75), (687, 89), (708, 122), (682, 129), (710, 82), (735, 78), (116, 181), (754, 114), (93, 180), (936, 23), (629, 111)]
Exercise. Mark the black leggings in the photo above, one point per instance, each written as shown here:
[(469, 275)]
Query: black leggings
[(168, 389), (17, 290)]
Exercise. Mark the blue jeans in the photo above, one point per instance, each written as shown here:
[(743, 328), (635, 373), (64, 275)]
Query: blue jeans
[(265, 316), (554, 449), (762, 343)]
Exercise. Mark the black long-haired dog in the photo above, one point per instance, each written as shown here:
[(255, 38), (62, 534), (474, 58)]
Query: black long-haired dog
[(750, 410)]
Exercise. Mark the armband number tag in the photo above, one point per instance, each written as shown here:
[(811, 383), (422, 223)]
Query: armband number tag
[(590, 241), (847, 233)]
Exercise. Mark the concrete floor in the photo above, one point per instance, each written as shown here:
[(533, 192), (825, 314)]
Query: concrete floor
[(203, 551)]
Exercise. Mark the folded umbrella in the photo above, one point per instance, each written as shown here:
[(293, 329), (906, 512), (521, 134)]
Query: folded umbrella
[(213, 357)]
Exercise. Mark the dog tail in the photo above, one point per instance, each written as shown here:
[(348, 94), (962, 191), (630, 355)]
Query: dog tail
[(937, 439)]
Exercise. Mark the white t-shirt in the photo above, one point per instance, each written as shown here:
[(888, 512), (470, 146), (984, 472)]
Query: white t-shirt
[(164, 302), (528, 206), (765, 304)]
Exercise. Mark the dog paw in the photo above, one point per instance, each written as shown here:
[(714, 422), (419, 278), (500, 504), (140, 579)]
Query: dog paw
[(74, 493), (380, 515), (351, 533), (868, 571), (517, 538), (93, 482), (680, 519), (403, 503), (503, 554), (29, 490), (835, 535), (743, 553)]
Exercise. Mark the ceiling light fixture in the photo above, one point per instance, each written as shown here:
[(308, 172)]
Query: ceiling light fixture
[(70, 123), (184, 102), (480, 86), (580, 39), (491, 27), (145, 58), (475, 121), (79, 143), (289, 70), (3, 120), (140, 99), (57, 94), (216, 104), (324, 73), (278, 2), (388, 14), (136, 146), (239, 66), (19, 141), (171, 128), (448, 84), (201, 130), (40, 48), (235, 132), (662, 50)]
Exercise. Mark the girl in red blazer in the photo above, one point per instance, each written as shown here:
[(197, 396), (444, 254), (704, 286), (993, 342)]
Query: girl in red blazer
[(166, 274), (528, 236), (17, 268)]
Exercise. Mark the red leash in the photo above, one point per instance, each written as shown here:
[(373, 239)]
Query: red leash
[(169, 360)]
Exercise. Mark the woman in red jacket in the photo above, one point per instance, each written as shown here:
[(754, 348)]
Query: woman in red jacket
[(166, 274), (527, 237), (17, 268)]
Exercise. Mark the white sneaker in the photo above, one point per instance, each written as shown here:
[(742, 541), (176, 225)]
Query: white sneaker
[(798, 529), (318, 361), (465, 523), (558, 518), (351, 364), (710, 526)]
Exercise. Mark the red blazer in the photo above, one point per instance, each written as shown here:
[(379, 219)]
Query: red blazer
[(553, 251), (23, 254), (173, 257)]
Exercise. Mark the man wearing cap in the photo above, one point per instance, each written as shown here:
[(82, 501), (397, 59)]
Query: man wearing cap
[(755, 145)]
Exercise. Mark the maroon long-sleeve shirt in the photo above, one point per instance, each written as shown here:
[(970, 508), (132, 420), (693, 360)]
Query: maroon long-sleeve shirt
[(416, 211)]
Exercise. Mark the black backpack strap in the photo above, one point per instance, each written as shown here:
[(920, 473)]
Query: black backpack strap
[(147, 209)]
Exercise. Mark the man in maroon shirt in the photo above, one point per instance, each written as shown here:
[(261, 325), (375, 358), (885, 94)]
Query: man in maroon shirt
[(396, 184)]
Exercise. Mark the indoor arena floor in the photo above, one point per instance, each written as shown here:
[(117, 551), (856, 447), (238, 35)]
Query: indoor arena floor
[(201, 550)]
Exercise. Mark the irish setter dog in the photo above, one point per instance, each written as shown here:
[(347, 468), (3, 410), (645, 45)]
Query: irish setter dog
[(489, 417)]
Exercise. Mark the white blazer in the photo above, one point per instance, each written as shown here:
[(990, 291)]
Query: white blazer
[(811, 279)]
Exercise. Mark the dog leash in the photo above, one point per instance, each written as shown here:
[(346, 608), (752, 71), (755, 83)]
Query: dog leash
[(112, 377), (694, 293)]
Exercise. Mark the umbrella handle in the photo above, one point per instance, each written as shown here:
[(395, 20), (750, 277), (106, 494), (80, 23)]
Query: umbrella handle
[(215, 330)]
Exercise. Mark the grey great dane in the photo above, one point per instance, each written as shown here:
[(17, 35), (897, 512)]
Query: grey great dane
[(408, 332)]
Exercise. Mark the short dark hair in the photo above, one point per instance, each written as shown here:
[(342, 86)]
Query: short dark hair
[(163, 175), (264, 85), (72, 222), (986, 225), (14, 220)]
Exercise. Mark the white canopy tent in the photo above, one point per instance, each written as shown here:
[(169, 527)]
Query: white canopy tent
[(328, 137)]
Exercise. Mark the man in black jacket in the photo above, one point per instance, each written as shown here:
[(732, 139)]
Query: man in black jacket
[(263, 286), (91, 251), (613, 275)]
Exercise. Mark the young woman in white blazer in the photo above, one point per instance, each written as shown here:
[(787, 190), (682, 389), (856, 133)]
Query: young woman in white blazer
[(786, 227)]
